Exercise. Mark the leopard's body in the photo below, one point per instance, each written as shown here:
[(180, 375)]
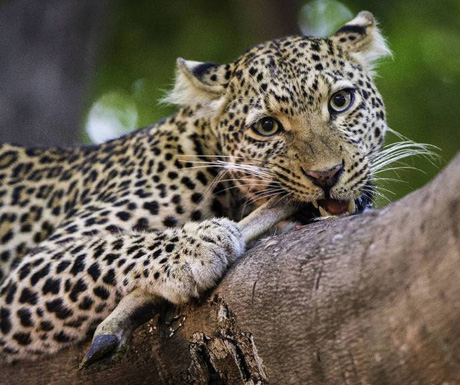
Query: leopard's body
[(81, 228)]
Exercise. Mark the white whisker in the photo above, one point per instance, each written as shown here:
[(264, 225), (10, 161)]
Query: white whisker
[(396, 168), (370, 192), (268, 194), (380, 179), (401, 150)]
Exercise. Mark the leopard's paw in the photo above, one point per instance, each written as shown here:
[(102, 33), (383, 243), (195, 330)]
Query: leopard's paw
[(206, 252)]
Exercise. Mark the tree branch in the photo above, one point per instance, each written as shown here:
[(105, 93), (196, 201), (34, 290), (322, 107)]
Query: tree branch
[(365, 299)]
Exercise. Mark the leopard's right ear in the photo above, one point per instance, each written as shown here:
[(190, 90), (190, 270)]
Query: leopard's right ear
[(199, 83)]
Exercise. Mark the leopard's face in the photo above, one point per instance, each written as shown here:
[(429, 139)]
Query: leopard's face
[(307, 120), (297, 117)]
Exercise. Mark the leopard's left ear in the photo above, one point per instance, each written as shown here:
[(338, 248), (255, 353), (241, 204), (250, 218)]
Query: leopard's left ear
[(362, 39), (199, 83)]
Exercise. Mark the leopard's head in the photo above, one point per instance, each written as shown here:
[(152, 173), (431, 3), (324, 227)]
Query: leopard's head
[(297, 117)]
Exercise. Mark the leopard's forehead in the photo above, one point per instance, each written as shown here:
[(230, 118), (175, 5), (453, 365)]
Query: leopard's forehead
[(295, 56), (296, 46), (294, 69)]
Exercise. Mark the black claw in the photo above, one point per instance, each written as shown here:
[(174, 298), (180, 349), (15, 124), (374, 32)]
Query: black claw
[(103, 347)]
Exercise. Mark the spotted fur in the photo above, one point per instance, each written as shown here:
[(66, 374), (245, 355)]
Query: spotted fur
[(82, 227)]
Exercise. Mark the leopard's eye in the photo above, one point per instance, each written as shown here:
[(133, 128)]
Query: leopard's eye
[(341, 101), (267, 127)]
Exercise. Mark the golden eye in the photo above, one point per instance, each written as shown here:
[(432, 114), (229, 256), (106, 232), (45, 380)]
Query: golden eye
[(267, 127), (341, 101)]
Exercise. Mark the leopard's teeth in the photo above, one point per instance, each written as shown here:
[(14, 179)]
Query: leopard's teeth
[(323, 212), (315, 204), (351, 206)]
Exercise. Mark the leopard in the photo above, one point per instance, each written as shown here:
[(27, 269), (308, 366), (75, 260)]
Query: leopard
[(91, 237)]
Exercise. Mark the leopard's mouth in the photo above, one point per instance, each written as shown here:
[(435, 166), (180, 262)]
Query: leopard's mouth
[(334, 207), (329, 207)]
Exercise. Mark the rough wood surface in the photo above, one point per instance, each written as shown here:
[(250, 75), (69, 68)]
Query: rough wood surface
[(371, 299)]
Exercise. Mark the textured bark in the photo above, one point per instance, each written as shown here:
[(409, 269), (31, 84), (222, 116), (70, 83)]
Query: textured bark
[(48, 50), (371, 299)]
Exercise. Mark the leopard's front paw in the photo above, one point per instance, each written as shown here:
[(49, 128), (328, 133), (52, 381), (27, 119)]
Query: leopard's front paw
[(207, 249), (223, 238)]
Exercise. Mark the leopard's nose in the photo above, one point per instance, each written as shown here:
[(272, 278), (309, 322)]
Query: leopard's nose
[(326, 178)]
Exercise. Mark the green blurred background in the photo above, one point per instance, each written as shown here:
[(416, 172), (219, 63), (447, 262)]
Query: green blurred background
[(135, 60)]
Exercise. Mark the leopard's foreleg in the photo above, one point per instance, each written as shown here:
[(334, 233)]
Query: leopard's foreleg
[(112, 334)]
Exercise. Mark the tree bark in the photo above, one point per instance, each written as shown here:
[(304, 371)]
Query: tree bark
[(370, 299)]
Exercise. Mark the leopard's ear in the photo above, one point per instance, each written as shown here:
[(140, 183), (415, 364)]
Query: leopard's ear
[(199, 83), (362, 39)]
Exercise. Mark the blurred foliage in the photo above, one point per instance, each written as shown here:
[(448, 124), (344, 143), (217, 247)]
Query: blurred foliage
[(112, 115), (323, 17), (420, 84)]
